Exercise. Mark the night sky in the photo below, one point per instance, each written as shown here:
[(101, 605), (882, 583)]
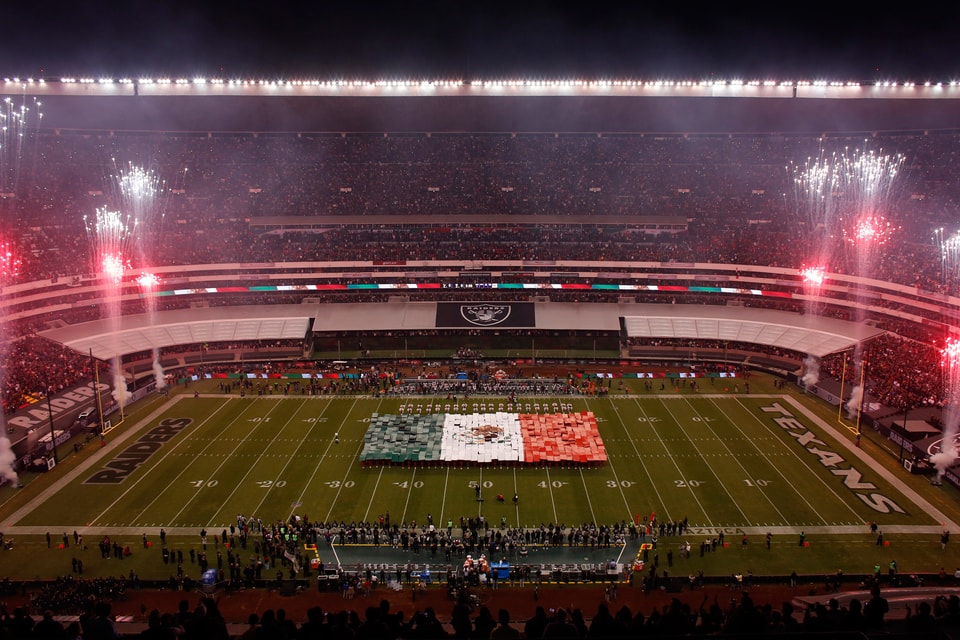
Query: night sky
[(451, 39)]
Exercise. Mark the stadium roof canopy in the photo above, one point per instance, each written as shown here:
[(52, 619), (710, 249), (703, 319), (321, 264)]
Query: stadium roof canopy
[(808, 334), (813, 335)]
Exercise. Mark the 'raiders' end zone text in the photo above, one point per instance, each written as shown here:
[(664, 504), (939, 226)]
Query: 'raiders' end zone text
[(128, 460)]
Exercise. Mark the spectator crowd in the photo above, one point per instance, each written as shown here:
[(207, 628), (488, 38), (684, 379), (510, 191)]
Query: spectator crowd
[(738, 196)]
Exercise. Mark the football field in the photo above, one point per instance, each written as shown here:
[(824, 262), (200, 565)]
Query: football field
[(722, 462)]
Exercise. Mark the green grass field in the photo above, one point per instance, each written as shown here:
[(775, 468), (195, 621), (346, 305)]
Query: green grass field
[(738, 463)]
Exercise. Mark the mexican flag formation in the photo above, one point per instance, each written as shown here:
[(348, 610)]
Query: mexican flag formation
[(484, 438)]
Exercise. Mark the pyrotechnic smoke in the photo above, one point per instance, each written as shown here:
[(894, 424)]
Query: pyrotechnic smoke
[(811, 372), (951, 413), (853, 404), (158, 370), (119, 393), (7, 457), (148, 283)]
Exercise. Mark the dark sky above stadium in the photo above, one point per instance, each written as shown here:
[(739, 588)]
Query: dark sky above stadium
[(460, 39)]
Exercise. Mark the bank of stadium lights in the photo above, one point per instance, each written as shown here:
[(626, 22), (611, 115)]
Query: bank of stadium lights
[(495, 84)]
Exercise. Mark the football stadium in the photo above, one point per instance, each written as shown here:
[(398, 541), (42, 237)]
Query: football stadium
[(516, 344)]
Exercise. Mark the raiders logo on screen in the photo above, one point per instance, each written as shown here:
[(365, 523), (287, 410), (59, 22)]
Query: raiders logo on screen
[(485, 315)]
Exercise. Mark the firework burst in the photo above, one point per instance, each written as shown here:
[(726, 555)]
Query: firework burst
[(9, 264), (870, 232), (849, 189), (111, 237), (148, 281), (139, 193), (949, 247), (18, 120), (813, 276)]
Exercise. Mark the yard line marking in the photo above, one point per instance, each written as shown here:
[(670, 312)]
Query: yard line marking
[(353, 458), (516, 505), (480, 500), (219, 466), (706, 464), (673, 459), (593, 516), (735, 457), (237, 484), (550, 487), (443, 501), (292, 457), (639, 459), (777, 469), (373, 493), (169, 453), (403, 516), (613, 469)]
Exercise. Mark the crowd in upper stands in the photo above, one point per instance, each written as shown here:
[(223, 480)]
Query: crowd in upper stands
[(213, 186), (738, 193)]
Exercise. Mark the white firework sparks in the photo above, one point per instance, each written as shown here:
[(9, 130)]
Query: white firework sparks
[(855, 188), (139, 190), (111, 237), (18, 119), (949, 256)]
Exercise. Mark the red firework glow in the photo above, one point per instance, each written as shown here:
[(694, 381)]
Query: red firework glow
[(9, 263), (871, 230), (813, 275), (951, 353), (148, 280)]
